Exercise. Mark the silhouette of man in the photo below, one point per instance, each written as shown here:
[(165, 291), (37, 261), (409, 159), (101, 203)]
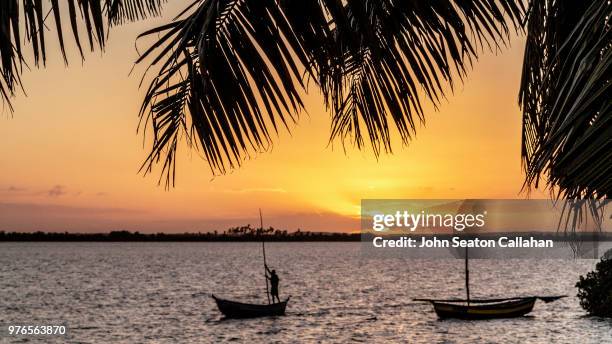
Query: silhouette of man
[(273, 283)]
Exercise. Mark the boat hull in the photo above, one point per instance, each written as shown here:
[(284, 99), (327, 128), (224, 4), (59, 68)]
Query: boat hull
[(233, 309), (494, 310)]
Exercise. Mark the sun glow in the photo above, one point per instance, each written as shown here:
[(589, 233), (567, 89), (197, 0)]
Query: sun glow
[(75, 148)]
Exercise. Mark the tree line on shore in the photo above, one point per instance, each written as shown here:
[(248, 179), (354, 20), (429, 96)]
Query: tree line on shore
[(249, 233), (239, 233)]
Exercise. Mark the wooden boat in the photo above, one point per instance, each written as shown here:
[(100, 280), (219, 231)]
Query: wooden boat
[(470, 309), (233, 309), (483, 309)]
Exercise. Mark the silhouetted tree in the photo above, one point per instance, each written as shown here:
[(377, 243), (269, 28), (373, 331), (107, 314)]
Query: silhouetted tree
[(595, 290)]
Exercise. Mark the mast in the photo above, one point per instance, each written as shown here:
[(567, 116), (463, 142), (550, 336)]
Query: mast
[(467, 276), (263, 248)]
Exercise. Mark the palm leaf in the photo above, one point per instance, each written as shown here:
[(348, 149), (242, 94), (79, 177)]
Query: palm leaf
[(95, 16), (122, 11), (565, 95), (231, 72), (392, 50)]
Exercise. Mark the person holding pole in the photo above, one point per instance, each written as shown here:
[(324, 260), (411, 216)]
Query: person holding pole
[(274, 280)]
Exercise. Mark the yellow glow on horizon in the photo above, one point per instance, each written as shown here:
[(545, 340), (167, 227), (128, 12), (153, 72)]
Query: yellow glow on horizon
[(76, 132)]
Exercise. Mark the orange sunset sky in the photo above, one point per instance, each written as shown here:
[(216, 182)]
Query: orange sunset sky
[(70, 154)]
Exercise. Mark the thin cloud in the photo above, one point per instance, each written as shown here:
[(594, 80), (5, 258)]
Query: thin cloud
[(57, 191), (13, 188), (258, 190), (51, 217)]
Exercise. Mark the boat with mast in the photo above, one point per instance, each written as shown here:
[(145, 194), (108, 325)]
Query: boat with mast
[(479, 309), (235, 309)]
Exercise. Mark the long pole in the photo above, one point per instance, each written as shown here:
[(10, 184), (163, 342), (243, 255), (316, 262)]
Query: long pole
[(467, 277), (263, 248)]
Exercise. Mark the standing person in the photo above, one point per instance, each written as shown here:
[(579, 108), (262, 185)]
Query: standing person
[(273, 277)]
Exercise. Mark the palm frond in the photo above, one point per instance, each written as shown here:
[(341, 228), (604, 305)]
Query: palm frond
[(94, 16), (10, 53), (565, 95), (391, 50), (246, 63), (235, 69), (126, 11)]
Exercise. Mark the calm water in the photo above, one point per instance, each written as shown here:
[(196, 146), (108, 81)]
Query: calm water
[(159, 293)]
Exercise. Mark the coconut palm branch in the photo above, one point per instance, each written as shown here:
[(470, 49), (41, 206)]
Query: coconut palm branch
[(231, 73), (27, 20), (565, 95)]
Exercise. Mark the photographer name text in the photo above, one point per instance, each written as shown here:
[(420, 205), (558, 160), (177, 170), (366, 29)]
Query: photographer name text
[(435, 242)]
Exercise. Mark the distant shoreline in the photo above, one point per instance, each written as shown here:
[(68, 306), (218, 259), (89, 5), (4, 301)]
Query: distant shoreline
[(127, 236), (255, 236)]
